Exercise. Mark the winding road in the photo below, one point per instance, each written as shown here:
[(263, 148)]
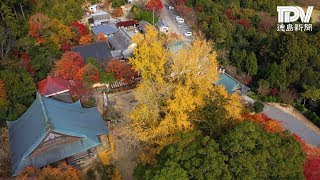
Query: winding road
[(304, 129)]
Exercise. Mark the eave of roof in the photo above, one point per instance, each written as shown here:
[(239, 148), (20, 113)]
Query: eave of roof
[(45, 115)]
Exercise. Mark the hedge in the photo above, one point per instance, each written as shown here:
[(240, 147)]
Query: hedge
[(312, 116), (258, 106), (270, 99)]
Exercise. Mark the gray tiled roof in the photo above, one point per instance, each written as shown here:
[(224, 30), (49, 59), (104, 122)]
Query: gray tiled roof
[(100, 16), (142, 25), (120, 40), (162, 23), (98, 50), (105, 29)]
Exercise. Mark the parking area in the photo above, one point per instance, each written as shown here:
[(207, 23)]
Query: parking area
[(169, 15), (182, 27)]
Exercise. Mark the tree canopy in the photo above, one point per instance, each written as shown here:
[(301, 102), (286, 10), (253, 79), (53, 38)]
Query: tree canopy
[(246, 151), (20, 91), (173, 89)]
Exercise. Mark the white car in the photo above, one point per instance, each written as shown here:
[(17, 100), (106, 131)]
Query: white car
[(180, 20), (170, 7), (188, 33), (178, 17)]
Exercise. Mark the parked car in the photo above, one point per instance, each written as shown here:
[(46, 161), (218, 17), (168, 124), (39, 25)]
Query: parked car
[(180, 20), (170, 7), (178, 17), (188, 33)]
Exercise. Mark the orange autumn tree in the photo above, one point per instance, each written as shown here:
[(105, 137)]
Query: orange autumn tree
[(154, 5), (117, 12), (62, 171), (270, 125), (68, 65), (101, 37), (38, 27), (88, 74), (60, 33), (86, 39)]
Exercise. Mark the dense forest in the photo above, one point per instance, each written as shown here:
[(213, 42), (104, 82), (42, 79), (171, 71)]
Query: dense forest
[(193, 130), (189, 129), (29, 43), (280, 66), (35, 41)]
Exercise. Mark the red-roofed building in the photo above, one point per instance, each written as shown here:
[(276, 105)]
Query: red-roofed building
[(127, 23), (56, 88)]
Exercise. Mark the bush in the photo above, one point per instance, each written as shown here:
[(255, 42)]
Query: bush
[(318, 122), (299, 107), (88, 102), (313, 117), (258, 106), (143, 14), (118, 3), (90, 174)]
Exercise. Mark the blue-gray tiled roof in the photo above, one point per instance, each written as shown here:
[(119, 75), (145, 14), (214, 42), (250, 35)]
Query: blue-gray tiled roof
[(47, 115), (106, 29), (231, 84), (98, 50)]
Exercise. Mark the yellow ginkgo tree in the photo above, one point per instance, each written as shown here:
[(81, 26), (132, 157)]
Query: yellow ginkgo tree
[(173, 86)]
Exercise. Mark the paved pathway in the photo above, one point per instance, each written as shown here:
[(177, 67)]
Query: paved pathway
[(293, 124), (169, 17)]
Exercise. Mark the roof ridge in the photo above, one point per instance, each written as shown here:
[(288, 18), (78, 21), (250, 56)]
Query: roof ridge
[(232, 78), (49, 125), (61, 82), (83, 45)]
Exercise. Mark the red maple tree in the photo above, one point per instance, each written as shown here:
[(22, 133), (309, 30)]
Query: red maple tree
[(25, 59), (229, 14), (122, 70), (243, 22), (68, 65), (312, 164), (269, 124), (155, 5), (275, 91), (81, 28), (78, 30), (65, 47), (183, 9)]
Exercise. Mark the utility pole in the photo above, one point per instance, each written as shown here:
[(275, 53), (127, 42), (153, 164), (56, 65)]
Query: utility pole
[(153, 16)]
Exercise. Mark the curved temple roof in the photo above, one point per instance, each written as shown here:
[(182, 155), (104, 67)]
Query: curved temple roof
[(231, 84), (48, 116)]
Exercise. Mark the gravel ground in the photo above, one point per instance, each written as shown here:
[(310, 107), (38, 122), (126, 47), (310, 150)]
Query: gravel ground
[(127, 147)]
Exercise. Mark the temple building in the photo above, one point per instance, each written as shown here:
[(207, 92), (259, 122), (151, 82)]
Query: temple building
[(51, 131)]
